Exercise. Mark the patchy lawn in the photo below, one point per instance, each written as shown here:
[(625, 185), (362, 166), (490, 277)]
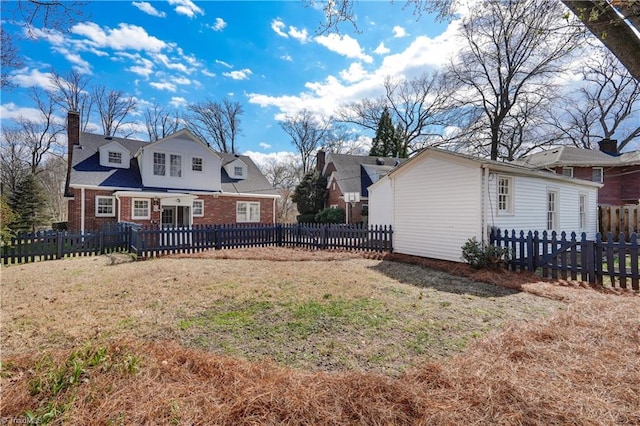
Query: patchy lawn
[(290, 336)]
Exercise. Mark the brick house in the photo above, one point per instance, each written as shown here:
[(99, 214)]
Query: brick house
[(348, 178), (176, 181), (619, 173)]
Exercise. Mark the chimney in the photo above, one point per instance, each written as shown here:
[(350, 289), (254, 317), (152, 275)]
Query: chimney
[(320, 160), (609, 146), (73, 139)]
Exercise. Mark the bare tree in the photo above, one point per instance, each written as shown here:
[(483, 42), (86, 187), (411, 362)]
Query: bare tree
[(419, 108), (607, 105), (283, 174), (514, 50), (14, 158), (160, 123), (113, 107), (71, 94), (341, 139), (307, 135), (10, 58), (52, 178), (218, 122)]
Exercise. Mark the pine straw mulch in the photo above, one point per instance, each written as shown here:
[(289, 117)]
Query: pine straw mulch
[(580, 367)]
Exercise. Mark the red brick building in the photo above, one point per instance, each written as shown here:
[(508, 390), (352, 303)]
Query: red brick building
[(619, 173), (176, 181)]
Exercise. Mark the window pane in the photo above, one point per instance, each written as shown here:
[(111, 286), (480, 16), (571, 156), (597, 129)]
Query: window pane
[(115, 157), (237, 171), (105, 206), (140, 208), (176, 165), (196, 164), (596, 174), (198, 208), (504, 195), (158, 164)]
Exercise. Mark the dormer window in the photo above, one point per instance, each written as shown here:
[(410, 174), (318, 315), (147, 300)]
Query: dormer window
[(115, 157), (237, 171)]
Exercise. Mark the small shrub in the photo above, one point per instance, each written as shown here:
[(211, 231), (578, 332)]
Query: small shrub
[(306, 218), (330, 215), (481, 255)]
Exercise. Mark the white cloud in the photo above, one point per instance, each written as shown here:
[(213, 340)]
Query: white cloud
[(264, 145), (165, 85), (344, 45), (208, 73), (277, 25), (223, 63), (186, 7), (286, 58), (34, 78), (219, 25), (382, 49), (178, 101), (11, 111), (80, 64), (181, 80), (143, 67), (261, 158), (148, 9), (354, 73), (399, 32), (238, 75), (124, 37), (164, 59), (301, 35)]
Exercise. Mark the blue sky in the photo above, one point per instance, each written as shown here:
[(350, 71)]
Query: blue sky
[(268, 56)]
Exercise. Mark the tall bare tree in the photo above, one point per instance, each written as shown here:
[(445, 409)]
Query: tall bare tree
[(52, 178), (307, 134), (514, 50), (114, 108), (14, 158), (607, 105), (283, 174), (71, 94), (160, 122), (419, 107), (217, 122), (341, 139)]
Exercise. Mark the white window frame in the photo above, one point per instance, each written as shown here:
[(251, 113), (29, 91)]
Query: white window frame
[(197, 164), (133, 208), (159, 167), (601, 169), (552, 210), (505, 199), (248, 214), (238, 171), (175, 165), (567, 171), (583, 202), (114, 157), (113, 206), (198, 211)]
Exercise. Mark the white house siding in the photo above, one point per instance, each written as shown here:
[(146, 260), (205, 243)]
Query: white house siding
[(530, 205), (380, 203), (207, 180), (437, 207)]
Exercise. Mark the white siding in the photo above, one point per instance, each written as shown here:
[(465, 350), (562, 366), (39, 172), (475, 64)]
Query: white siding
[(437, 207), (380, 203), (125, 155), (207, 180), (530, 205)]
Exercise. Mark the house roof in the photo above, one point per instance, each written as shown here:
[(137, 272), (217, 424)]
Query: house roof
[(350, 174), (579, 157), (514, 168), (87, 171)]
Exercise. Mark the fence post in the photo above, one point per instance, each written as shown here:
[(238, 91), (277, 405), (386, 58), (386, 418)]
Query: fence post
[(60, 245), (279, 234), (325, 237), (218, 236)]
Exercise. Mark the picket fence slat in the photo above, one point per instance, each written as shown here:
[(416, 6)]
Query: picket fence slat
[(614, 258)]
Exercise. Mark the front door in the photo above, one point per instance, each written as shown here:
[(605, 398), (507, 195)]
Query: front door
[(173, 216)]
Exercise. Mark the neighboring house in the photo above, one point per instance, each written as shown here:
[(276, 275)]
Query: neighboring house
[(437, 200), (620, 173), (176, 181), (348, 177)]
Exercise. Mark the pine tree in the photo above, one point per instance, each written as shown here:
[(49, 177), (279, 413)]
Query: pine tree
[(383, 144), (27, 204), (310, 194)]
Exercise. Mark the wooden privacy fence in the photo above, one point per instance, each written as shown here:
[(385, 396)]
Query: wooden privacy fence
[(569, 257), (619, 220), (156, 241)]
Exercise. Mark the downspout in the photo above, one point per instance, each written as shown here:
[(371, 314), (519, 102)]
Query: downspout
[(119, 206), (483, 200), (273, 218), (82, 212)]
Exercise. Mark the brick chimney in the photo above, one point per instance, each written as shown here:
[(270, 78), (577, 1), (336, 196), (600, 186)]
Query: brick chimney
[(73, 139), (609, 146), (320, 160)]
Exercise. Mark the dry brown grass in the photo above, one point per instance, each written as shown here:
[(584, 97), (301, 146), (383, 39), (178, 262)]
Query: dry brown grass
[(579, 367)]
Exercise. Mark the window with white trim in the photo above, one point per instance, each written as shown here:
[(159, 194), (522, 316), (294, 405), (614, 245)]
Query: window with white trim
[(175, 168), (597, 174), (505, 195), (159, 166), (114, 157), (582, 201), (140, 208), (198, 208), (105, 206), (552, 210), (567, 171), (247, 211), (238, 171), (196, 164)]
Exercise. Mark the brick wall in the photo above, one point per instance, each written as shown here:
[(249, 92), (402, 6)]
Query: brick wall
[(611, 192), (630, 180)]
